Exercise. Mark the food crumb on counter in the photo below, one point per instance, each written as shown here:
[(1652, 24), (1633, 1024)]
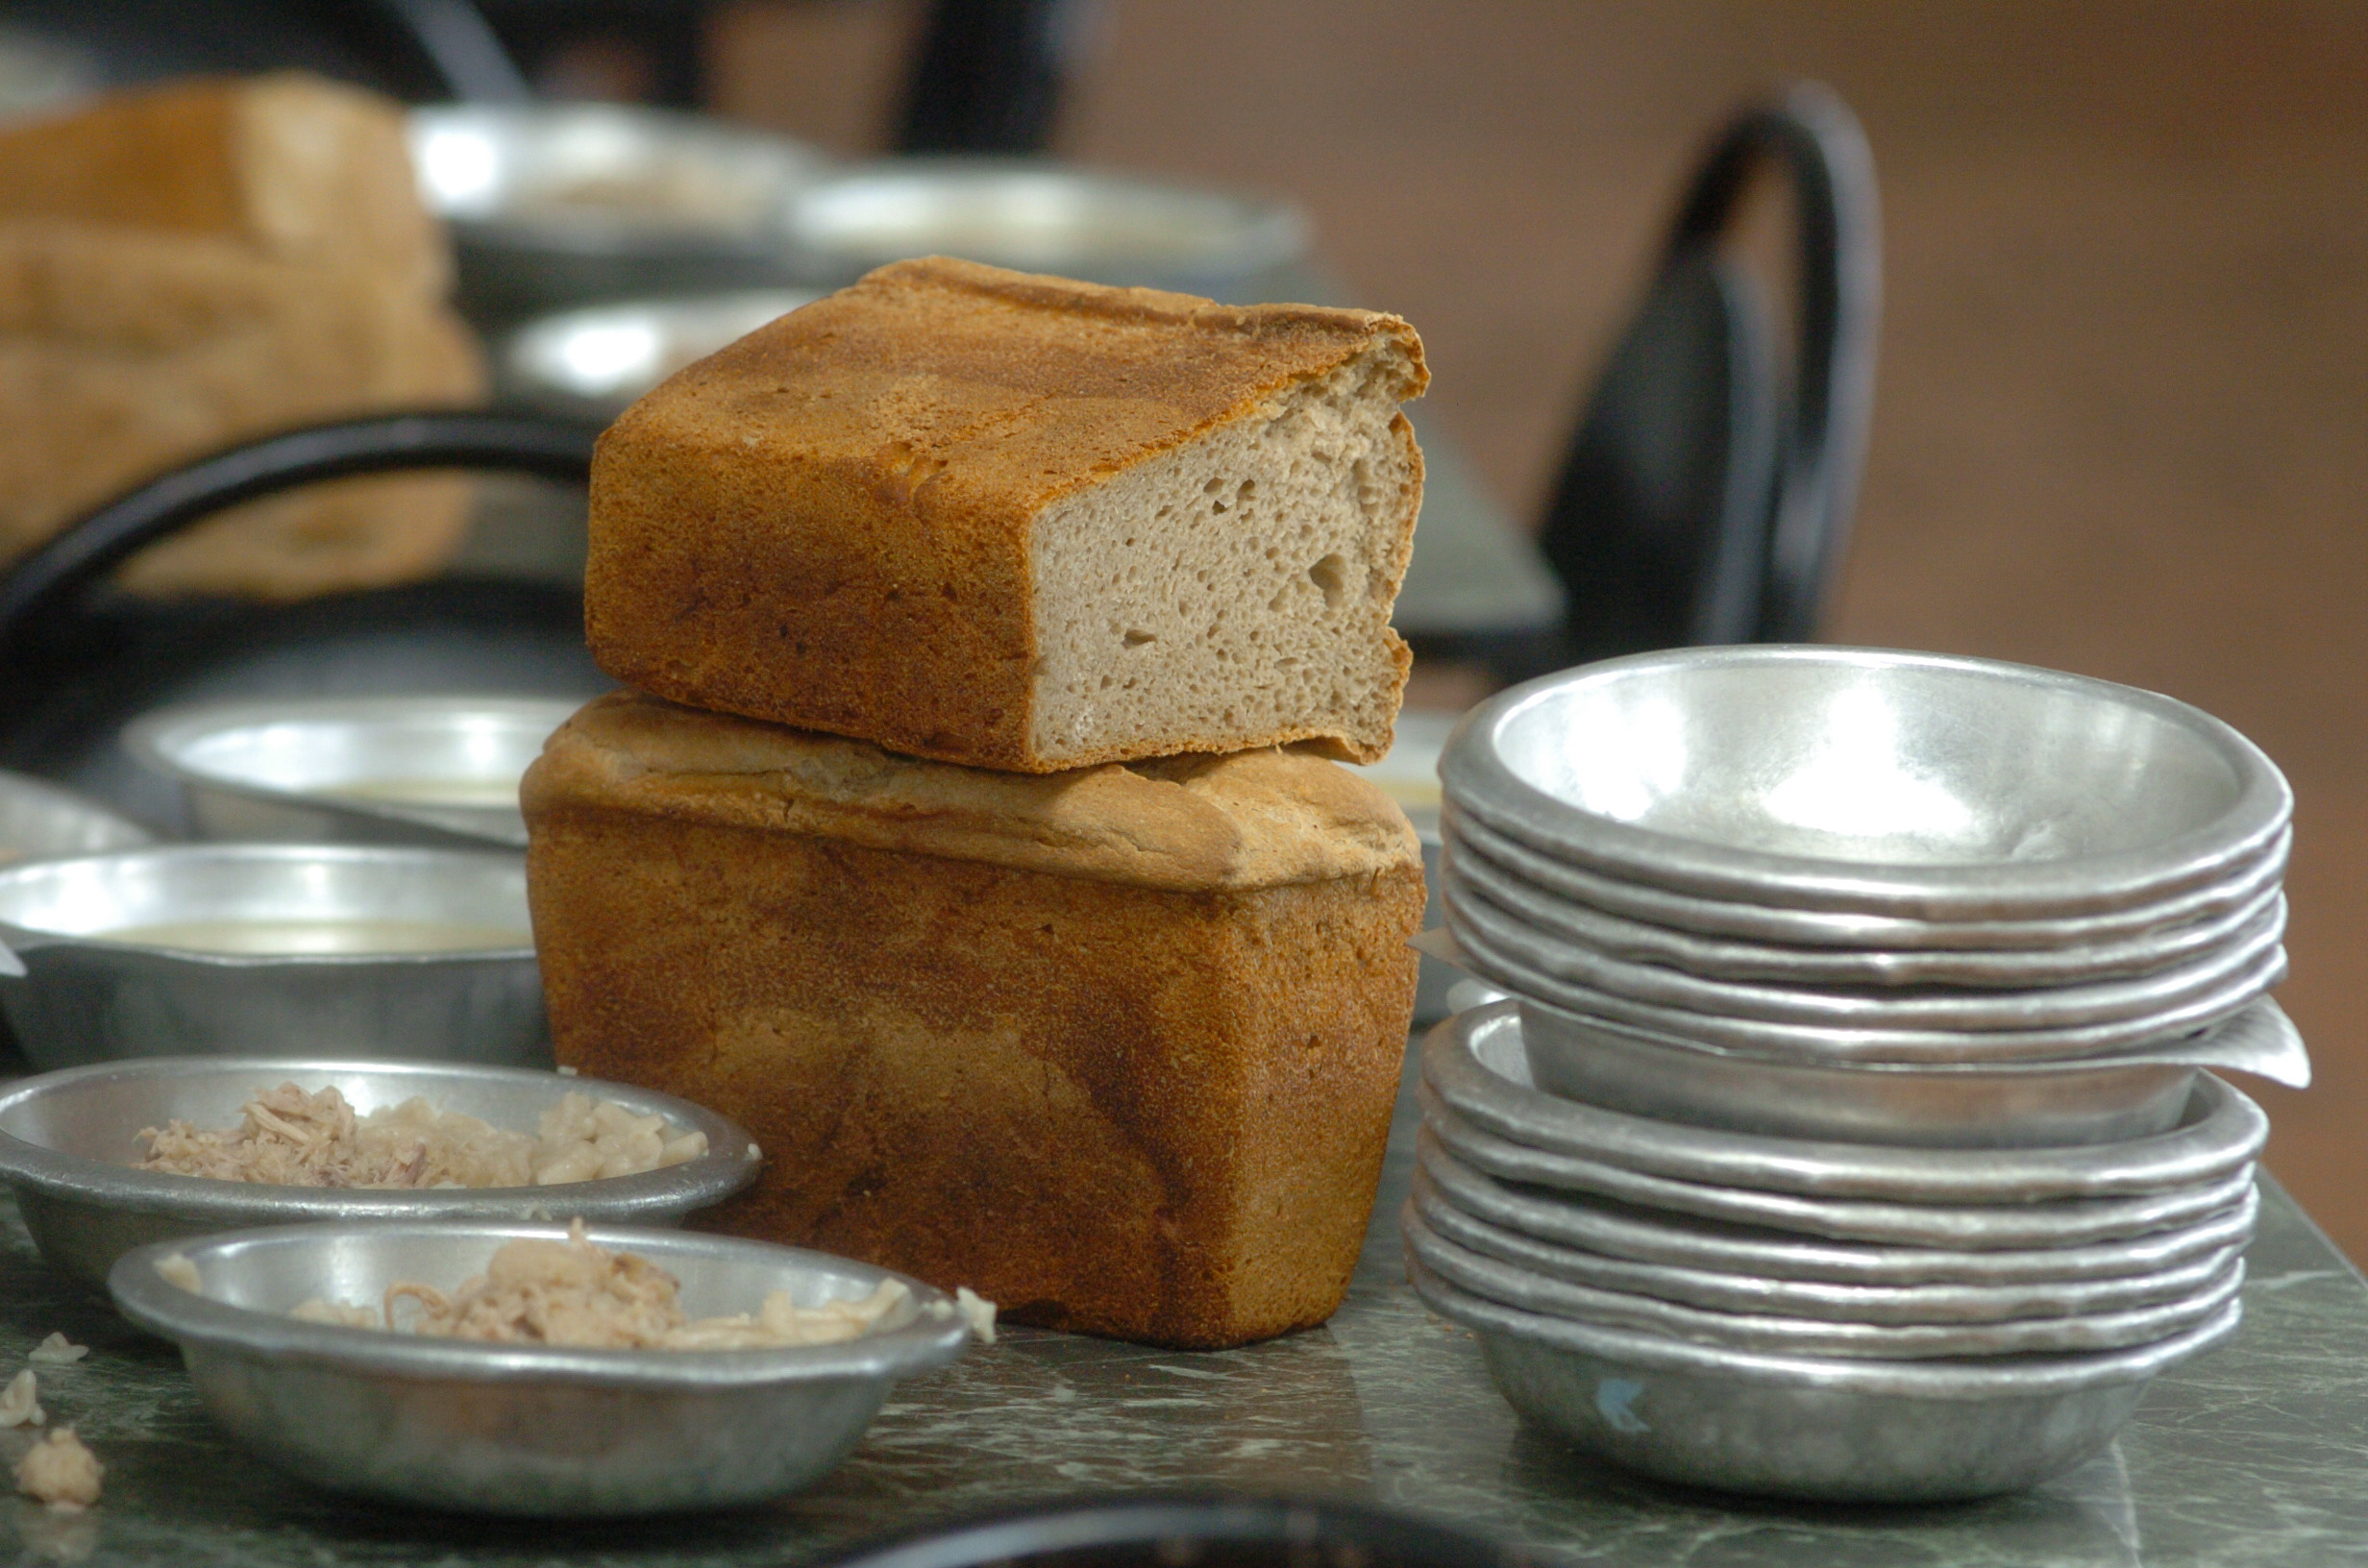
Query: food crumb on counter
[(567, 1072), (289, 1138), (978, 1312), (175, 1269), (20, 1402), (57, 1351), (61, 1471)]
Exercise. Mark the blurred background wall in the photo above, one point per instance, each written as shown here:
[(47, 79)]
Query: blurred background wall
[(2122, 411)]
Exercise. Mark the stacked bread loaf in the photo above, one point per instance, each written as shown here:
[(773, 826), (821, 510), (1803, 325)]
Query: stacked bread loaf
[(188, 266), (956, 839)]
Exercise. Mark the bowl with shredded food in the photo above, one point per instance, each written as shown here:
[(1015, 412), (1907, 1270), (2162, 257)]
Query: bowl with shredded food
[(114, 1156), (541, 1370)]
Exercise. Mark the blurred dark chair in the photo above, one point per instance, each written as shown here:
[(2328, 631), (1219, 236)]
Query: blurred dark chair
[(1707, 494)]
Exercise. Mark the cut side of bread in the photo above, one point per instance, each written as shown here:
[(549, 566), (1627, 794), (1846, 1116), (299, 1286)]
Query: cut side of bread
[(1021, 522)]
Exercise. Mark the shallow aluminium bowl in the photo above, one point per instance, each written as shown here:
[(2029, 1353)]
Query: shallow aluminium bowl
[(1516, 1285), (1820, 1301), (415, 952), (1869, 781), (1038, 217), (1736, 959), (530, 1429), (2054, 1222), (1809, 1426), (553, 205), (2129, 1002), (38, 820), (2246, 883), (2105, 1099), (1685, 1242), (69, 1146), (1475, 1061), (1482, 954), (432, 770), (595, 361)]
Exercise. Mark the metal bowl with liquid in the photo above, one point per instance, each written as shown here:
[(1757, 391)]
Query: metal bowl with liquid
[(430, 770), (251, 949)]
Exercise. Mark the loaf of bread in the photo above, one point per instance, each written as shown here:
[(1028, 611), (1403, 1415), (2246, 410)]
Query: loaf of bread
[(191, 267), (124, 352), (1021, 522), (292, 166), (1115, 1047)]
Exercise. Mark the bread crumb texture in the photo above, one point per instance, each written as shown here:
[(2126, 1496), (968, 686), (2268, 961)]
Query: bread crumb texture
[(61, 1472), (1022, 522)]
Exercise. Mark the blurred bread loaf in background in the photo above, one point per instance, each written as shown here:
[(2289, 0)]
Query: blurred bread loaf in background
[(1020, 521), (190, 267)]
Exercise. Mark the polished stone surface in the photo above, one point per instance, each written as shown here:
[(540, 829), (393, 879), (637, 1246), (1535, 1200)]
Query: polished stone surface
[(2256, 1455)]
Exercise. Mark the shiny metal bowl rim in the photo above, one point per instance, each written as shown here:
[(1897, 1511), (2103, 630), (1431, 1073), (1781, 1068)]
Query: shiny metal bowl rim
[(25, 939), (730, 1163), (1476, 778), (1847, 931), (933, 1335), (1973, 1378), (2002, 1009), (151, 738), (2232, 1131)]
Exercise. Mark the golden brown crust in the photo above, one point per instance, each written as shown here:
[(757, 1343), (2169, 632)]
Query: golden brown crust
[(827, 524), (1156, 1115), (1252, 819)]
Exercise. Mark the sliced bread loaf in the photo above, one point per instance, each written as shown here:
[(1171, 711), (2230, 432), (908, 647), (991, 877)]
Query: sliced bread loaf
[(1021, 522)]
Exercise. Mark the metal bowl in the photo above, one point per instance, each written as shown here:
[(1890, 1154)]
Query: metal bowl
[(1683, 1242), (1858, 1043), (68, 1141), (1734, 959), (2107, 1099), (1476, 1063), (415, 952), (524, 1430), (555, 205), (1820, 1301), (595, 362), (1870, 781), (1038, 217), (2060, 1222), (438, 771), (1512, 1284), (1820, 928), (38, 820), (2135, 1003), (1804, 1427)]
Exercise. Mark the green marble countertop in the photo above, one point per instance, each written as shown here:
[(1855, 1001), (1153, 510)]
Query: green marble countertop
[(2256, 1455)]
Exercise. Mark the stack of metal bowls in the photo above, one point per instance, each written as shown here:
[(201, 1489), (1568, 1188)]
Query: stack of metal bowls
[(1846, 1132)]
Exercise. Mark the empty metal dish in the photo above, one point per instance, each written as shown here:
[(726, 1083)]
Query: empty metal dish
[(1808, 1426), (400, 770), (1514, 1285), (525, 1429), (244, 949), (38, 820), (2137, 1003), (1685, 1242), (1822, 1301), (1861, 1044), (1831, 928), (1039, 218), (553, 205), (1869, 781), (1737, 959), (2060, 1222), (70, 1147), (1476, 1063), (2105, 1099), (597, 362)]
